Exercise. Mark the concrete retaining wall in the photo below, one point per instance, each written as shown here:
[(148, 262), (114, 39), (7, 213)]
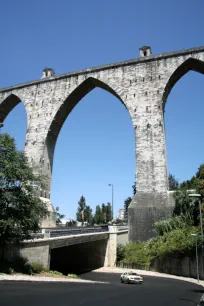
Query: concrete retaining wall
[(180, 266), (122, 237), (39, 253)]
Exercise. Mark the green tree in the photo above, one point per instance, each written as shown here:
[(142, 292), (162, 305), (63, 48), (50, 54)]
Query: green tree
[(134, 190), (126, 205), (88, 215), (173, 182), (80, 209), (183, 202), (84, 210), (177, 222), (71, 223), (104, 212), (189, 184), (99, 217), (108, 212), (59, 216), (20, 210), (198, 182), (185, 205)]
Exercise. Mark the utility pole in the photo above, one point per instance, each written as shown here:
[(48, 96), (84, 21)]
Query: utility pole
[(112, 198)]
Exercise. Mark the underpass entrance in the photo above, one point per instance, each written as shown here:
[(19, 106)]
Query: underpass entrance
[(79, 258)]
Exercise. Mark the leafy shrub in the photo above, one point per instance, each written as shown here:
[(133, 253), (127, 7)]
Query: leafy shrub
[(18, 264), (37, 267), (73, 276), (55, 272), (21, 265), (178, 222), (11, 271), (177, 242), (136, 253), (120, 252)]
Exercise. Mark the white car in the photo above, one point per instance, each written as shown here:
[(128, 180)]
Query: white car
[(131, 277), (201, 301)]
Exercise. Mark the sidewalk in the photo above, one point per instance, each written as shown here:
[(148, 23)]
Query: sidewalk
[(30, 278), (149, 273)]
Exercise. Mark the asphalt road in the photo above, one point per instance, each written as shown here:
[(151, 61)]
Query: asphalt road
[(154, 291)]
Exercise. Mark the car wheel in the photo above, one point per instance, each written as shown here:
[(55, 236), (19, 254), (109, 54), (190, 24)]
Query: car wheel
[(121, 280)]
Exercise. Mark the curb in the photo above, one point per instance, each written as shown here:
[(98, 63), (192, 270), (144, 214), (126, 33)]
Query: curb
[(23, 278), (149, 273)]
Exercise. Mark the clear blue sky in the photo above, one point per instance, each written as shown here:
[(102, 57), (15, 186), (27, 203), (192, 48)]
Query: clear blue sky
[(96, 144)]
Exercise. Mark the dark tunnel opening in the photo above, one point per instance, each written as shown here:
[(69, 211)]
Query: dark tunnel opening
[(79, 258)]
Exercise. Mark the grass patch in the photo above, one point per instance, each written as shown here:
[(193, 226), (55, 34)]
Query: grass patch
[(55, 273), (73, 276), (37, 268), (58, 274)]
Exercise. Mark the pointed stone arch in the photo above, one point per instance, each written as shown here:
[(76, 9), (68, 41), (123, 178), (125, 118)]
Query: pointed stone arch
[(190, 64), (65, 109), (7, 105)]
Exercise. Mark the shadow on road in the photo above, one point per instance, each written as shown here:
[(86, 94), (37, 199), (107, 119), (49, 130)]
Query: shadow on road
[(187, 300), (198, 290)]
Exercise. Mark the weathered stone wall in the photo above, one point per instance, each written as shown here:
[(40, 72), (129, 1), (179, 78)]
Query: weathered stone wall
[(176, 265), (181, 266), (31, 251), (142, 85), (37, 253)]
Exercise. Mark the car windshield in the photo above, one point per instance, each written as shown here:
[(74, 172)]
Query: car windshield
[(133, 273)]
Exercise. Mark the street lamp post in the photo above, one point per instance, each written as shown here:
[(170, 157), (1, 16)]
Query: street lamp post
[(201, 217), (198, 196), (112, 198), (197, 264)]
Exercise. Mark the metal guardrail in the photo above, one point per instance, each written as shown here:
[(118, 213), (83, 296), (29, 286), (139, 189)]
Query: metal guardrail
[(37, 235), (59, 232), (74, 231), (122, 228)]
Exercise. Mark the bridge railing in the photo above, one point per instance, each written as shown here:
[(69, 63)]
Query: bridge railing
[(59, 232), (74, 231), (122, 228)]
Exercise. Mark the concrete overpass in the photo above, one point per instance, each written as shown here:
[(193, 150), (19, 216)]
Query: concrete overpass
[(76, 252)]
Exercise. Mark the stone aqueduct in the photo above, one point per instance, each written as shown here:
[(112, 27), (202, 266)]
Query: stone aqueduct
[(143, 86)]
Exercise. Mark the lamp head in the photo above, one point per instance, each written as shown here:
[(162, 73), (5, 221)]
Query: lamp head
[(194, 235), (194, 195)]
